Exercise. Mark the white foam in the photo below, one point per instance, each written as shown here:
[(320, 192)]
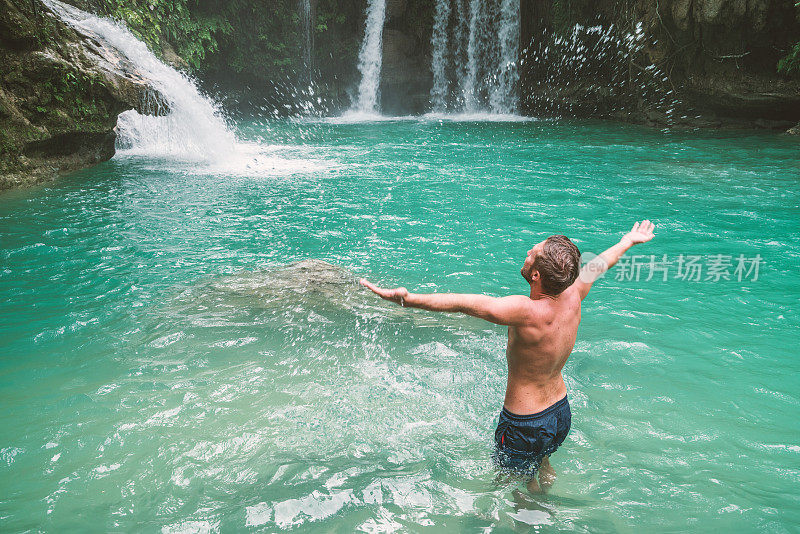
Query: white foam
[(477, 117), (357, 117), (354, 117)]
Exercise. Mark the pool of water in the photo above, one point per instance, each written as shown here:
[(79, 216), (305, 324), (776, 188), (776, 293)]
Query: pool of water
[(162, 369)]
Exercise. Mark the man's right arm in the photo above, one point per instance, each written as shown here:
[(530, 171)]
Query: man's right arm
[(512, 310), (640, 233)]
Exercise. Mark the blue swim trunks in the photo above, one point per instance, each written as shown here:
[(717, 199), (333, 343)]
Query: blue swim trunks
[(522, 441)]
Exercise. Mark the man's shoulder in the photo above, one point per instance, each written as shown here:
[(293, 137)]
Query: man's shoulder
[(573, 294), (545, 309)]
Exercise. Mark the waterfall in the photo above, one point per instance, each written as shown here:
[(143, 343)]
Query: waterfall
[(439, 47), (484, 52), (308, 38), (192, 127), (502, 98), (370, 58), (468, 83), (461, 28)]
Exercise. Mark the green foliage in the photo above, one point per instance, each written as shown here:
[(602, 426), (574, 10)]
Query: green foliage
[(253, 38), (256, 43), (264, 41), (790, 63), (194, 33), (338, 27), (71, 97)]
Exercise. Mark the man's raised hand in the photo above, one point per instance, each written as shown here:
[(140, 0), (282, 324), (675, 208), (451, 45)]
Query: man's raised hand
[(640, 233), (397, 295)]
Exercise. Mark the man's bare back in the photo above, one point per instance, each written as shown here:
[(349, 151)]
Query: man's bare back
[(536, 353), (542, 329)]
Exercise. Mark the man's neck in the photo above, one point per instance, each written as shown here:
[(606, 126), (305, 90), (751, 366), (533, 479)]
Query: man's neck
[(538, 294)]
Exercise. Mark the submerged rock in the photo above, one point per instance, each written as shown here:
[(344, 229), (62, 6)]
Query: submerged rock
[(60, 94), (308, 279), (296, 293), (291, 294)]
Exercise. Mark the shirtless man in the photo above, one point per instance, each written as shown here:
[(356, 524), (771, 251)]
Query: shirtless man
[(542, 328)]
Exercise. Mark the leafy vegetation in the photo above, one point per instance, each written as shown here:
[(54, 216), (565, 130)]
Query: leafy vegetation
[(257, 42), (790, 63)]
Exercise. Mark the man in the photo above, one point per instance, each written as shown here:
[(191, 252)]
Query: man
[(542, 328)]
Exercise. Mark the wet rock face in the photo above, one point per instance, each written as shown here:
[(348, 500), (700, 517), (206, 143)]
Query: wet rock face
[(718, 57), (60, 95), (406, 77), (724, 54), (405, 80)]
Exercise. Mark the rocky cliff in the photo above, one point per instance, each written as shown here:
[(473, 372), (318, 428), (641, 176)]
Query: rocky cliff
[(723, 54), (705, 63), (60, 95), (716, 58), (694, 62), (406, 78)]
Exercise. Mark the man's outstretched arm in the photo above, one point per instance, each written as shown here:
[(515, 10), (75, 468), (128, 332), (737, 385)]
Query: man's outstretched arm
[(503, 310), (640, 233)]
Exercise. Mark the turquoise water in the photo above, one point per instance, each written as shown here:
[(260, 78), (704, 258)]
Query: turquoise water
[(160, 368)]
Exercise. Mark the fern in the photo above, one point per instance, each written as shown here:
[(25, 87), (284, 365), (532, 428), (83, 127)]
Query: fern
[(790, 63)]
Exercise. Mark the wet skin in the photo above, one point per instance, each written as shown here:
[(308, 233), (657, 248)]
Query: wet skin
[(542, 328)]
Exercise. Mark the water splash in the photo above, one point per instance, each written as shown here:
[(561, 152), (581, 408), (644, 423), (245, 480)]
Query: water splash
[(370, 59), (596, 70)]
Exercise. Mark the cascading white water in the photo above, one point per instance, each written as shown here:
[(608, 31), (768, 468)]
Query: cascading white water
[(460, 42), (439, 55), (186, 127), (485, 52), (469, 82), (370, 59), (193, 127), (502, 96), (308, 43)]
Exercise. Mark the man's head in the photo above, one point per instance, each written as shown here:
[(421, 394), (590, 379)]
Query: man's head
[(554, 263)]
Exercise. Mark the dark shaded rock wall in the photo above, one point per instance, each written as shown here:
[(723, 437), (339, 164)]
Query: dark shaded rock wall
[(406, 76), (723, 54), (718, 57), (715, 59)]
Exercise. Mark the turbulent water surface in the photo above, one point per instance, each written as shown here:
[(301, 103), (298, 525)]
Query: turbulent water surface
[(167, 364)]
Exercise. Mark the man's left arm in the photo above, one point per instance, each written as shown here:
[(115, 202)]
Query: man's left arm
[(499, 310)]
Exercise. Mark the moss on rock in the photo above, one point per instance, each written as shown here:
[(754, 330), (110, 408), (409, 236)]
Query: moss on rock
[(59, 101)]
